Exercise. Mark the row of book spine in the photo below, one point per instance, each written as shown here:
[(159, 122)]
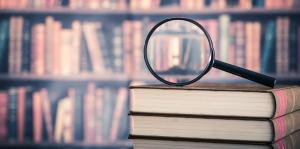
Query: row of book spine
[(93, 116), (213, 4), (49, 48), (150, 4), (73, 4), (271, 46)]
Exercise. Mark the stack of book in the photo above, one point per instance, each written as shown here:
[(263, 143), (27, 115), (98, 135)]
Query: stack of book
[(215, 116)]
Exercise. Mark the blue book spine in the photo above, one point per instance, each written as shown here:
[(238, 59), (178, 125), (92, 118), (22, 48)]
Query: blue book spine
[(268, 52), (12, 115), (4, 46)]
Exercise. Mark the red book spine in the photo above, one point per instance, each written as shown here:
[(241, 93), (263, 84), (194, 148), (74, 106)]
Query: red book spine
[(37, 118), (38, 49), (21, 114), (3, 115), (128, 61)]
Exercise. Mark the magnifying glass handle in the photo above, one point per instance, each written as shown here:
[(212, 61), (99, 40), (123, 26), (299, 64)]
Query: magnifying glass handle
[(247, 74)]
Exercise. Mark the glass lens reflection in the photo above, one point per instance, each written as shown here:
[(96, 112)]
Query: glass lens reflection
[(178, 51)]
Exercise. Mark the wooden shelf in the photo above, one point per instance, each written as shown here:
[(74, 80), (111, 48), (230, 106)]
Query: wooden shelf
[(161, 11), (116, 145), (142, 77)]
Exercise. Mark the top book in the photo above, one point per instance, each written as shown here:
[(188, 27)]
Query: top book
[(216, 100)]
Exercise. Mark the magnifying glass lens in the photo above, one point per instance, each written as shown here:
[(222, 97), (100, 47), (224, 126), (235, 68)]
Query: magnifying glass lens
[(178, 51)]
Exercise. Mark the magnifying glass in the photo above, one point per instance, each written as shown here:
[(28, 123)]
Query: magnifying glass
[(179, 51)]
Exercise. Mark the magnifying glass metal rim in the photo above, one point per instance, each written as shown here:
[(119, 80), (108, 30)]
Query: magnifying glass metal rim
[(207, 68)]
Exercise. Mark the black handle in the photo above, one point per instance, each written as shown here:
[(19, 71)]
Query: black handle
[(247, 74)]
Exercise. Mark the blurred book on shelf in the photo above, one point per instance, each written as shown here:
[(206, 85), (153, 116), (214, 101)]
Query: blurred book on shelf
[(193, 5), (93, 115), (49, 48)]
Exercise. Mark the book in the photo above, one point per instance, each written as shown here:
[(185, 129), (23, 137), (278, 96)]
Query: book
[(37, 117), (21, 97), (38, 49), (213, 128), (293, 48), (89, 113), (94, 47), (12, 115), (29, 115), (46, 114), (12, 45), (99, 115), (268, 48), (4, 24), (216, 100), (26, 47), (78, 118), (117, 116), (3, 115), (49, 44), (289, 142)]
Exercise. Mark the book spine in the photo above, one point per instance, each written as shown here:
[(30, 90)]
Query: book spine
[(3, 115), (49, 27), (293, 48), (4, 46), (118, 114), (118, 55), (224, 33), (57, 26), (38, 49), (26, 49), (18, 44), (12, 45), (29, 117), (285, 125), (89, 114), (298, 50), (65, 54), (269, 49), (240, 55), (286, 100), (128, 61), (21, 114), (99, 115), (78, 118), (94, 47), (12, 115), (76, 33), (37, 117), (46, 112), (109, 104), (68, 128)]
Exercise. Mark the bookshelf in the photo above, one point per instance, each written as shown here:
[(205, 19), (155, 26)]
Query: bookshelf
[(139, 20)]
